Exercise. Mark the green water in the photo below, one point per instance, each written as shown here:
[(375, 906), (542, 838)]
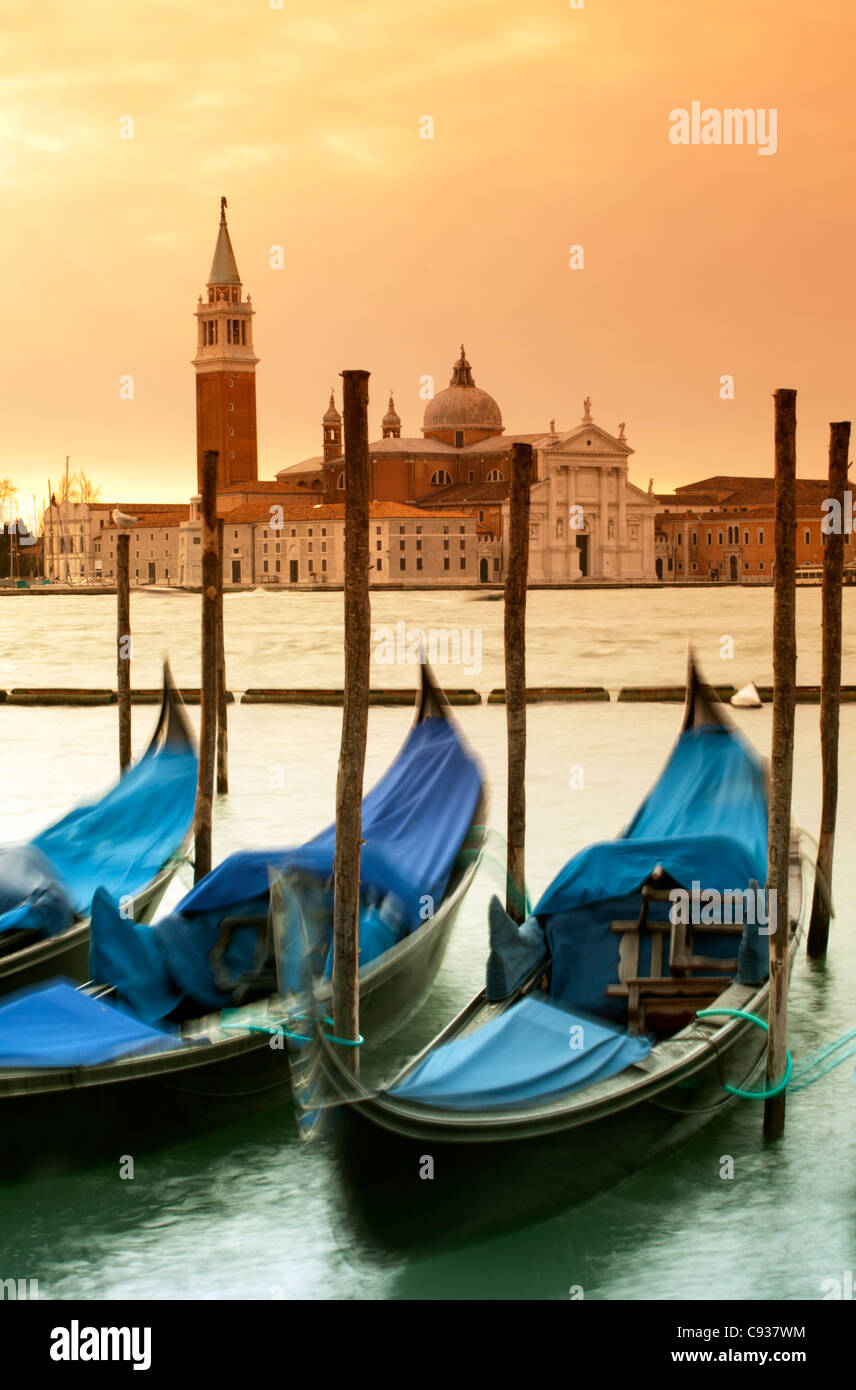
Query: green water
[(246, 1212)]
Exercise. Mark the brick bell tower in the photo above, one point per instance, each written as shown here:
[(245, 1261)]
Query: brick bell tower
[(226, 370)]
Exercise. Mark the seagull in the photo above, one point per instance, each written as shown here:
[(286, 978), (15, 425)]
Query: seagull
[(123, 519)]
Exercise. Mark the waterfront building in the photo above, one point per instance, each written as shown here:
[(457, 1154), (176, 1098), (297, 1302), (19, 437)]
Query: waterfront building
[(723, 528)]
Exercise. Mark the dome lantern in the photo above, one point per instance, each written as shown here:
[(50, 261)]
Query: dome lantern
[(462, 414)]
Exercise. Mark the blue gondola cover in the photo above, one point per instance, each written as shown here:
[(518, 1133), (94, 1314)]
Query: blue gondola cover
[(705, 822), (533, 1052), (121, 841), (414, 822), (55, 1025)]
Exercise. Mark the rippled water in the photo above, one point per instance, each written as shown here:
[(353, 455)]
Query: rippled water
[(245, 1212)]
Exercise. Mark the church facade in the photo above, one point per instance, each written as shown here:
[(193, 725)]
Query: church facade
[(588, 520)]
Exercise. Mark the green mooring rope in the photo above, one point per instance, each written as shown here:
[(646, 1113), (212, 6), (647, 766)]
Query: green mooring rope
[(792, 1080)]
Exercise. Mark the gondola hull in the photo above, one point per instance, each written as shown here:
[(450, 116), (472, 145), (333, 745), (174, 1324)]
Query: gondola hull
[(57, 1120), (422, 1172), (485, 1180)]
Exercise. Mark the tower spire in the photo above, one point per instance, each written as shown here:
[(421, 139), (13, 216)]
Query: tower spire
[(224, 267)]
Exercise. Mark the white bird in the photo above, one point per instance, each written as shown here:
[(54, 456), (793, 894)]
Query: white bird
[(123, 519), (747, 698)]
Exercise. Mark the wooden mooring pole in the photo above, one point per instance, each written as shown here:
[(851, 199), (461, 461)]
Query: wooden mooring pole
[(123, 645), (222, 705), (208, 697), (830, 689), (355, 714), (782, 754), (515, 677)]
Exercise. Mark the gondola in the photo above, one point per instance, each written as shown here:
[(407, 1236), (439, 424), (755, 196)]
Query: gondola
[(147, 1064), (129, 841), (594, 1048)]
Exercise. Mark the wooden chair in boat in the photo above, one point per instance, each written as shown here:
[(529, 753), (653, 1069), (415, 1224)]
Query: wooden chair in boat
[(661, 1002)]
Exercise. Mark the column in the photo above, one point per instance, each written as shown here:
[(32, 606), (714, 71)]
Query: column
[(603, 521), (621, 528)]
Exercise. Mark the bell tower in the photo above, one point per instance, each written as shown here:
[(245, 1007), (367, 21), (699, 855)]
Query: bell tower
[(225, 366)]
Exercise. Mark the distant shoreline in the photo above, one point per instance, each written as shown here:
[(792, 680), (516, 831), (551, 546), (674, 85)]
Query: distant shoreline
[(586, 584)]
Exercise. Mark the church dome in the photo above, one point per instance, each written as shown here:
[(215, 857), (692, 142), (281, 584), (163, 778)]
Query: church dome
[(463, 405)]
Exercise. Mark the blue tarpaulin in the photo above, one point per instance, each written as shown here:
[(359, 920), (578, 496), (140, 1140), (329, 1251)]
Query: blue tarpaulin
[(30, 896), (533, 1052), (55, 1025), (413, 824), (120, 842), (704, 822)]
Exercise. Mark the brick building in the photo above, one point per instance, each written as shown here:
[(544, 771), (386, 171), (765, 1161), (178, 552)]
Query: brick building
[(723, 528)]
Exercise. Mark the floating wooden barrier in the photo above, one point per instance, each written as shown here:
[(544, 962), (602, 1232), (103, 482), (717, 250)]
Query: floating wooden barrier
[(73, 696), (154, 697), (555, 694), (60, 696), (336, 697), (666, 694)]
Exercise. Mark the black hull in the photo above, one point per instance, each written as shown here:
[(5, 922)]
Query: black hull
[(417, 1176), (479, 1191), (47, 1135)]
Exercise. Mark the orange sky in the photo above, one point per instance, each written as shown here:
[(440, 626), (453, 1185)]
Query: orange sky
[(551, 128)]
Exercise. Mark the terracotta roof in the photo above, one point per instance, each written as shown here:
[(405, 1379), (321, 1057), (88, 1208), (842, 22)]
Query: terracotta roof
[(260, 485), (409, 445), (312, 465), (150, 518), (501, 444), (465, 494)]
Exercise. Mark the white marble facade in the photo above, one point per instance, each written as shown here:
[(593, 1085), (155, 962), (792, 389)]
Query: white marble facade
[(587, 521)]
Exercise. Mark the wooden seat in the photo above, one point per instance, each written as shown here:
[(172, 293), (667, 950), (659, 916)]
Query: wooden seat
[(661, 1002)]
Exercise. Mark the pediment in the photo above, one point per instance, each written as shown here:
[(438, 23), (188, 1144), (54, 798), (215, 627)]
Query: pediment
[(602, 442)]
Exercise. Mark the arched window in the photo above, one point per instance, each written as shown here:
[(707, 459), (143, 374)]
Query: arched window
[(340, 482), (441, 478), (495, 476)]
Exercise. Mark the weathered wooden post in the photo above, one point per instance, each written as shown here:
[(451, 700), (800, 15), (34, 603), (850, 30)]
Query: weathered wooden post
[(208, 710), (515, 676), (352, 755), (222, 717), (123, 644), (830, 688), (782, 754)]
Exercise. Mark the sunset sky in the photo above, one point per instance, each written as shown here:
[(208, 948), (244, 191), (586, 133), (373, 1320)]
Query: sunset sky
[(551, 128)]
